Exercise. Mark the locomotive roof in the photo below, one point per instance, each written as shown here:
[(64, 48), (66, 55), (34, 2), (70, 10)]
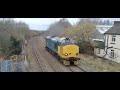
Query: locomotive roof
[(48, 36), (52, 37), (56, 38), (61, 39)]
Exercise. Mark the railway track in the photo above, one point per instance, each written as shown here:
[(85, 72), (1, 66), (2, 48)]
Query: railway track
[(37, 58), (71, 68), (81, 68), (34, 64), (46, 58), (53, 60), (76, 69)]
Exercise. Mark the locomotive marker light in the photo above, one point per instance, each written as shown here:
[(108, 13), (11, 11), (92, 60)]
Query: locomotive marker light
[(76, 54)]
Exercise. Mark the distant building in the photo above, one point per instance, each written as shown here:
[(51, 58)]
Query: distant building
[(99, 49)]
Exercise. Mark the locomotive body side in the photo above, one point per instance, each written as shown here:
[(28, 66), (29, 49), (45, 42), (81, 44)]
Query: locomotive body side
[(51, 44)]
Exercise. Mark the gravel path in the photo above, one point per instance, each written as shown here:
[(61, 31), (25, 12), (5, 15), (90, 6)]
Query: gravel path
[(87, 68)]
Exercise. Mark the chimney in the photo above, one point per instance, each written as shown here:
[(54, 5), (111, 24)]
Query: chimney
[(116, 23)]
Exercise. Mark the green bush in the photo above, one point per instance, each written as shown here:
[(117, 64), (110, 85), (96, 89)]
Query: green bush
[(86, 47), (16, 46)]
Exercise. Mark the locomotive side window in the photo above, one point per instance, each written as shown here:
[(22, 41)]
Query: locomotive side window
[(56, 45), (69, 41), (47, 42)]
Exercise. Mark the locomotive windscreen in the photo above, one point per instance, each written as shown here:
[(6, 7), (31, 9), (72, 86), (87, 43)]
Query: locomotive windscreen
[(67, 41)]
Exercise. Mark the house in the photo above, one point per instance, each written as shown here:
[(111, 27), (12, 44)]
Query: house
[(112, 43), (111, 50)]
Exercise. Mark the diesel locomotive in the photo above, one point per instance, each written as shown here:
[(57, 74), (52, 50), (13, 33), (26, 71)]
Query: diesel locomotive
[(64, 49)]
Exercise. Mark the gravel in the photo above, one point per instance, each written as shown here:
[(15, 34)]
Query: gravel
[(87, 68)]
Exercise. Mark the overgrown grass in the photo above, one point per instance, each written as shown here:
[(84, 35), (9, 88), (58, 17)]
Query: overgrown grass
[(102, 65)]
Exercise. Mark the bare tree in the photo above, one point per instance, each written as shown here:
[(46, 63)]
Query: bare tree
[(8, 28), (58, 27), (82, 33), (93, 20)]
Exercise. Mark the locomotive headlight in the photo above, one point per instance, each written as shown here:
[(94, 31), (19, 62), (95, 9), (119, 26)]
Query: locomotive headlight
[(66, 54), (76, 53)]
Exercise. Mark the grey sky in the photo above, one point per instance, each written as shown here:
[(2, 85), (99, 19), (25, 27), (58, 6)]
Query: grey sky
[(43, 23)]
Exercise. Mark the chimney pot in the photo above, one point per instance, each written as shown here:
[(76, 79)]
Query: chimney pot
[(116, 22)]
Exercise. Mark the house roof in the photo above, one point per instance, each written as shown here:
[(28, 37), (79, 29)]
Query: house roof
[(103, 28), (115, 30), (98, 40)]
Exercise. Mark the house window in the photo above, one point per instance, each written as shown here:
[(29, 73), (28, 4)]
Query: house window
[(112, 54), (98, 51), (113, 38)]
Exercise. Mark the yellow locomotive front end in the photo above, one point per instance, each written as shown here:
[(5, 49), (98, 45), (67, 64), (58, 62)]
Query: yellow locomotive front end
[(69, 53)]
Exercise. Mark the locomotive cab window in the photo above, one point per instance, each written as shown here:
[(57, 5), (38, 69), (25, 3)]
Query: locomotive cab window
[(63, 42)]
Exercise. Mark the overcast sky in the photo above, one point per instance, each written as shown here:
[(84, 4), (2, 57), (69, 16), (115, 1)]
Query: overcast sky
[(43, 23)]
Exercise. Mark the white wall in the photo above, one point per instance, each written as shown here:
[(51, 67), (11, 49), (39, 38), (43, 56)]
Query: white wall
[(102, 52), (116, 54), (116, 48), (117, 42)]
